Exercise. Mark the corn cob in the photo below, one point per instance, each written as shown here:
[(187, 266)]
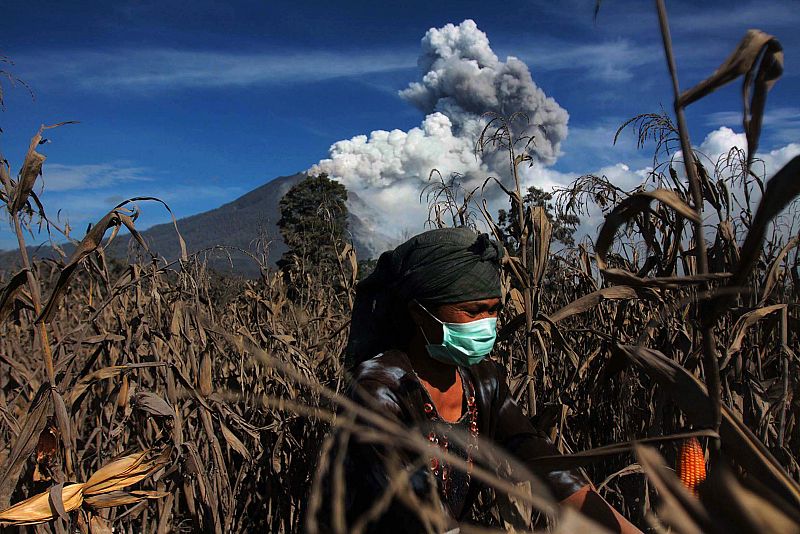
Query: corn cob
[(691, 464)]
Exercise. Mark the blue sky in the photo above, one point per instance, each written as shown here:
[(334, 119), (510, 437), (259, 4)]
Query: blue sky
[(200, 102)]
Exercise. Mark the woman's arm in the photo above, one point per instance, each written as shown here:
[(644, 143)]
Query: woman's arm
[(366, 478)]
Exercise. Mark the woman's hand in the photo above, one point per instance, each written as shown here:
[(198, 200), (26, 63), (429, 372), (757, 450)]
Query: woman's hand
[(588, 502)]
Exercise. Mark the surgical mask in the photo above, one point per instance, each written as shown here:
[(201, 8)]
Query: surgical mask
[(463, 344)]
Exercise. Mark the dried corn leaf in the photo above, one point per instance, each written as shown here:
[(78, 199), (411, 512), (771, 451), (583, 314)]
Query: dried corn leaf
[(583, 304), (516, 299), (152, 403), (515, 513), (591, 456), (542, 231), (628, 209), (631, 469), (35, 422), (101, 338), (62, 417), (98, 525), (571, 521), (109, 479), (621, 276), (744, 323), (781, 190), (89, 244), (128, 223), (348, 256), (587, 302), (56, 501), (759, 57), (234, 442), (5, 176), (741, 61), (181, 242), (745, 511), (83, 384), (10, 291), (31, 170), (707, 188), (123, 393), (206, 386), (27, 374), (277, 464), (177, 320), (120, 498), (769, 282)]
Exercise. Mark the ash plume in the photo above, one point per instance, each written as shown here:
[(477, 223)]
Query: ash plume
[(460, 79)]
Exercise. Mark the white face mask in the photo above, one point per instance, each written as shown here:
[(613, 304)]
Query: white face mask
[(463, 344)]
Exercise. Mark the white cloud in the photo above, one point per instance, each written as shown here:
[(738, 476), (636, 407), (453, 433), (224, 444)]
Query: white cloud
[(460, 77), (776, 159), (159, 68), (463, 79), (781, 123), (701, 18), (720, 141), (716, 144), (608, 61), (61, 177)]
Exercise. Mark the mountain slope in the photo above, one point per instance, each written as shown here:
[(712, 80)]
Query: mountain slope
[(237, 225)]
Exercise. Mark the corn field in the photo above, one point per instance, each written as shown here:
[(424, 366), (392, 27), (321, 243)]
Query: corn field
[(153, 396)]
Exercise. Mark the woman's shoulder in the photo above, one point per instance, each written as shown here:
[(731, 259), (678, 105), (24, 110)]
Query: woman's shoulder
[(379, 381), (392, 365)]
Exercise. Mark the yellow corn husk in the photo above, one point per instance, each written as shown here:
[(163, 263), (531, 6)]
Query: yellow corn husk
[(691, 464), (37, 509), (123, 472), (106, 481)]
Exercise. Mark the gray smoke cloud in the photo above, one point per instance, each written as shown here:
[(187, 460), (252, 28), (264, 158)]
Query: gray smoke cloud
[(461, 78)]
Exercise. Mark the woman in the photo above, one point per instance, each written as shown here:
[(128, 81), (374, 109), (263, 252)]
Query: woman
[(423, 323)]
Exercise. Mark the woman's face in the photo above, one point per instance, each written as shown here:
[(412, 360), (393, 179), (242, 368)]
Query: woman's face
[(459, 312), (464, 312)]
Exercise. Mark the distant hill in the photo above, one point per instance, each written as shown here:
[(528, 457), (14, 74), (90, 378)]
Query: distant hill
[(237, 224)]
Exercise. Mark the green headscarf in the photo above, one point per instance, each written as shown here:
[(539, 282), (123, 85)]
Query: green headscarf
[(441, 266)]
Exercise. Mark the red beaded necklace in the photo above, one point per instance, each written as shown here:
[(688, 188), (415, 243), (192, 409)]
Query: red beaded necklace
[(442, 470)]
